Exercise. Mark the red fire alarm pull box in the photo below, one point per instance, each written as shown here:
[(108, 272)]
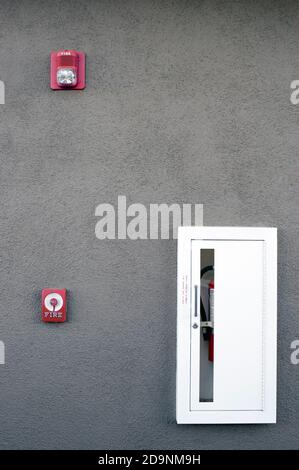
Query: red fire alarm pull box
[(67, 70), (54, 305)]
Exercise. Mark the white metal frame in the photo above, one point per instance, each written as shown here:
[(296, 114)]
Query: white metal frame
[(205, 413)]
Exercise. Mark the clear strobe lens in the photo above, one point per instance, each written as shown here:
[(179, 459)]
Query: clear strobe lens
[(66, 77)]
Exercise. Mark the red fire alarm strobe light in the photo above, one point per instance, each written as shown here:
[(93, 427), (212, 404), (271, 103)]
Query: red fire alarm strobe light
[(54, 305), (67, 70)]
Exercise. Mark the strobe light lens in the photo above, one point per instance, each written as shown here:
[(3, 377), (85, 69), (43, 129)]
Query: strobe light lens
[(66, 77)]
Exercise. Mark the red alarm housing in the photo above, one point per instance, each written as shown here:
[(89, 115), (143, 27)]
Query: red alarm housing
[(67, 70), (54, 305)]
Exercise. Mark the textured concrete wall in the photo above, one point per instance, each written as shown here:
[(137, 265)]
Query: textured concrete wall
[(187, 101)]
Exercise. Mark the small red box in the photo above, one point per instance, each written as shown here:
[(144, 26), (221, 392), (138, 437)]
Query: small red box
[(67, 70), (54, 305)]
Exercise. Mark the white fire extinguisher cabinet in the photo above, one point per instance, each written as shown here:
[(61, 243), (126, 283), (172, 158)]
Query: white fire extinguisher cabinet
[(226, 325)]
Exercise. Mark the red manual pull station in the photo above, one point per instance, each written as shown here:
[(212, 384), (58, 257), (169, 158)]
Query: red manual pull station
[(54, 305), (67, 70)]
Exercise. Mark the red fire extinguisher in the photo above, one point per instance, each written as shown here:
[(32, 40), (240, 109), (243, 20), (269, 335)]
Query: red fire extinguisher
[(207, 317), (211, 305)]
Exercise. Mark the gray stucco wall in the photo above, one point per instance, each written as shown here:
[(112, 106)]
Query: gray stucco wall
[(186, 101)]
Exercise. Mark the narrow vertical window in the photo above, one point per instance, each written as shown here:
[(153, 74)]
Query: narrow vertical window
[(206, 376)]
